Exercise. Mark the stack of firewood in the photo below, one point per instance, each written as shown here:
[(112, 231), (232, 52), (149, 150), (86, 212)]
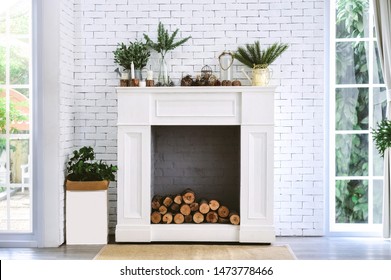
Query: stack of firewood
[(184, 208)]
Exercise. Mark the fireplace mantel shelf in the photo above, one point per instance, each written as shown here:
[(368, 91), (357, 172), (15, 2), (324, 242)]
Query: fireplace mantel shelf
[(251, 108), (196, 89)]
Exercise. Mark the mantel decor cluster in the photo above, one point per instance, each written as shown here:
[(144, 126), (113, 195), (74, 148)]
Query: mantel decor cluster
[(134, 58)]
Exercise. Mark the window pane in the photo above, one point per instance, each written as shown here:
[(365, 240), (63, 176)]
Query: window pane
[(379, 105), (2, 64), (377, 201), (19, 62), (351, 62), (351, 152), (19, 157), (3, 110), (351, 200), (19, 111), (377, 70), (352, 18), (20, 17), (3, 187), (20, 210), (2, 21), (351, 109)]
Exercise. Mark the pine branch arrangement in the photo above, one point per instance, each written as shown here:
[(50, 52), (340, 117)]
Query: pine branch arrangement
[(382, 136), (165, 42), (252, 56)]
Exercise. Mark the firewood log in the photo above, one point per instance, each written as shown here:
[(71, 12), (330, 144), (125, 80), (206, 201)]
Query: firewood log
[(188, 218), (234, 218), (223, 221), (188, 196), (156, 217), (175, 207), (157, 201), (179, 218), (185, 209), (204, 206), (178, 199), (212, 217), (198, 217), (194, 207), (214, 205), (163, 209), (167, 201), (167, 218), (223, 211)]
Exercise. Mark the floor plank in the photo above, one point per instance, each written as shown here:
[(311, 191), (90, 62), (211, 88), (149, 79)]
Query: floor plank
[(305, 248)]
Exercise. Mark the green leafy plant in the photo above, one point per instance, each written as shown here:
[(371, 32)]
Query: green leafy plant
[(252, 56), (137, 52), (165, 41), (82, 166), (382, 136)]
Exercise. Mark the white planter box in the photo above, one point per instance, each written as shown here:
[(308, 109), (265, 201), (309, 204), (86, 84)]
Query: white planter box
[(86, 217)]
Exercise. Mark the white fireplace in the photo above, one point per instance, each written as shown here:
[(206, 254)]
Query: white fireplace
[(142, 109)]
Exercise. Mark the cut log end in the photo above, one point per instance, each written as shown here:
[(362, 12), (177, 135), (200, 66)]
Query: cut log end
[(198, 217), (188, 196), (156, 217), (234, 218), (223, 211), (212, 217), (214, 205), (179, 218)]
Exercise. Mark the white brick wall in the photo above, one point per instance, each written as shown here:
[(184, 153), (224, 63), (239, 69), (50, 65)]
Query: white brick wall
[(66, 81), (215, 25)]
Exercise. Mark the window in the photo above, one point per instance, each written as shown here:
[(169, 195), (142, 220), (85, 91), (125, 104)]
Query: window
[(357, 103), (15, 116)]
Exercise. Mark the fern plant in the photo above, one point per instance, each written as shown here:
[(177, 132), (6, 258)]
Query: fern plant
[(382, 136), (165, 41), (137, 52), (252, 56)]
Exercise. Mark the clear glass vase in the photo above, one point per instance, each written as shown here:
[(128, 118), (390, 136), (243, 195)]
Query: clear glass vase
[(163, 78)]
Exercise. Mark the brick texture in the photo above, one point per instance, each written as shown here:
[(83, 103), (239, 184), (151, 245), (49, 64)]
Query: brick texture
[(89, 98)]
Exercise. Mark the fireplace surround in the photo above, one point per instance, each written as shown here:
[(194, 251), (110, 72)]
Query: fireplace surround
[(143, 112)]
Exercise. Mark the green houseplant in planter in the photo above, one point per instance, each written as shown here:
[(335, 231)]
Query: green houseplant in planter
[(86, 173), (86, 198), (259, 60), (137, 52)]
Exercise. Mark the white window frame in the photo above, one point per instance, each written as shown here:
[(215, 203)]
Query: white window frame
[(358, 229)]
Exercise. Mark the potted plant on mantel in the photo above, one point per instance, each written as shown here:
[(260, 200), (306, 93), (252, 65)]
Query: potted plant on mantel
[(86, 173), (259, 60), (137, 52), (164, 43)]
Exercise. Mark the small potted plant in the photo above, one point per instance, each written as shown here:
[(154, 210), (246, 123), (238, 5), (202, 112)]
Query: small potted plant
[(165, 42), (259, 60), (86, 173), (137, 52)]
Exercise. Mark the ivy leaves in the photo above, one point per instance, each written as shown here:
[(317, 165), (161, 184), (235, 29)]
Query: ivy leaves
[(82, 166)]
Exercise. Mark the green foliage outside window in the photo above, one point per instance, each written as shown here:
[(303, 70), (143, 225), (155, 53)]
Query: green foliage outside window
[(352, 111)]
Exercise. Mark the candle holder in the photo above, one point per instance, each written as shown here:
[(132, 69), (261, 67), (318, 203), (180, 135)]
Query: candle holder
[(135, 82), (149, 83)]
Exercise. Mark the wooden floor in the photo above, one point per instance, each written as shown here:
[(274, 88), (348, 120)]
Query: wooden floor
[(305, 248)]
